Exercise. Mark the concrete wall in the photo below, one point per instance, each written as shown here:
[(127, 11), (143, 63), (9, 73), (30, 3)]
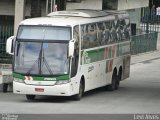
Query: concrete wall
[(19, 13), (85, 4), (97, 4), (135, 16), (132, 4), (7, 7)]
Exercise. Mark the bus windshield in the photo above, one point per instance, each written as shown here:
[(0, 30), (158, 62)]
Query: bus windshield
[(44, 33), (38, 58), (42, 50)]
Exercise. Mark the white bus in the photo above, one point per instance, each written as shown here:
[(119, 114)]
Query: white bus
[(70, 52)]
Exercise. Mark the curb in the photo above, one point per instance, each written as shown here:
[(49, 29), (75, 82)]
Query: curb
[(142, 57)]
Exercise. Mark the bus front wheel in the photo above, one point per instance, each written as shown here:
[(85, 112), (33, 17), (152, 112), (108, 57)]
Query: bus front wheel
[(81, 91), (30, 97)]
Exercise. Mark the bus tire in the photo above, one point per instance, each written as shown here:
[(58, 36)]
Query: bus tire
[(81, 91), (30, 97), (5, 87), (119, 77), (112, 86), (117, 83)]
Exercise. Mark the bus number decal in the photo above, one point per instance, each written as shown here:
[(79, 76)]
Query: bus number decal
[(90, 68)]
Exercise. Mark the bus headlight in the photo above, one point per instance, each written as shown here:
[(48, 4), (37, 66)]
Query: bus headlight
[(62, 82), (18, 80)]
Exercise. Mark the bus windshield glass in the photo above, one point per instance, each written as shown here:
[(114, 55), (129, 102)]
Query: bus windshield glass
[(39, 58), (44, 33)]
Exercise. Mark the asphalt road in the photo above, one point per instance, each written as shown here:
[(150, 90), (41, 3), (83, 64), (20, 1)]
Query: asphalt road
[(138, 94)]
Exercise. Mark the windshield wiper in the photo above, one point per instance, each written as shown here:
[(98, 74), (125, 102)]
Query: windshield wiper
[(45, 62), (37, 61), (41, 59)]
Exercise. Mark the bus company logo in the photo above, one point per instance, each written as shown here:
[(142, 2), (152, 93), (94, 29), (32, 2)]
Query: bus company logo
[(28, 78), (50, 79)]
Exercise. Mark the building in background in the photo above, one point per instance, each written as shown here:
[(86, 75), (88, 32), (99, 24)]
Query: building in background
[(22, 9), (12, 12), (132, 6), (7, 12)]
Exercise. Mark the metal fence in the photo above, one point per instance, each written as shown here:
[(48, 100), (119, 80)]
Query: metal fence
[(144, 43), (149, 16), (147, 35), (6, 30), (150, 21)]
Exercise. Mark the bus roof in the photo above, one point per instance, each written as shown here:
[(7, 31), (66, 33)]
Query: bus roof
[(85, 13), (74, 17)]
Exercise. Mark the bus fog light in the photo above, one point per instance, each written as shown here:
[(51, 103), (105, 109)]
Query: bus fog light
[(62, 82), (19, 80)]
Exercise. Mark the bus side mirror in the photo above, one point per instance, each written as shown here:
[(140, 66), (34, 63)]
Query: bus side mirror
[(71, 49), (9, 45)]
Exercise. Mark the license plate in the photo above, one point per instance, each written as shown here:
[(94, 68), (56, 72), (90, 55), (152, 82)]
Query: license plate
[(39, 89)]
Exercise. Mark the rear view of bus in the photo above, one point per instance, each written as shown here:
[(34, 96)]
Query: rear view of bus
[(55, 55)]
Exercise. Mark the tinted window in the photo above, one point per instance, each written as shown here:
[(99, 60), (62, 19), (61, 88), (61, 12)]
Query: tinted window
[(89, 36), (44, 33), (75, 59)]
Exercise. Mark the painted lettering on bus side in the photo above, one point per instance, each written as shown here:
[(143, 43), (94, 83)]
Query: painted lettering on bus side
[(91, 68)]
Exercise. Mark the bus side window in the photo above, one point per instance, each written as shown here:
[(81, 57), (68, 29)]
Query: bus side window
[(126, 30), (119, 30), (101, 33), (122, 24), (92, 35), (113, 32), (84, 32), (76, 51), (76, 37), (107, 31), (76, 33)]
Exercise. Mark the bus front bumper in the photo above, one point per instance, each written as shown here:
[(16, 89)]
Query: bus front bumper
[(56, 90)]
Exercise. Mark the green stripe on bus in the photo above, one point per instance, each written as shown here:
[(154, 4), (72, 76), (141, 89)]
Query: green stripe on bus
[(15, 75), (62, 77), (95, 55), (101, 54), (104, 53)]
